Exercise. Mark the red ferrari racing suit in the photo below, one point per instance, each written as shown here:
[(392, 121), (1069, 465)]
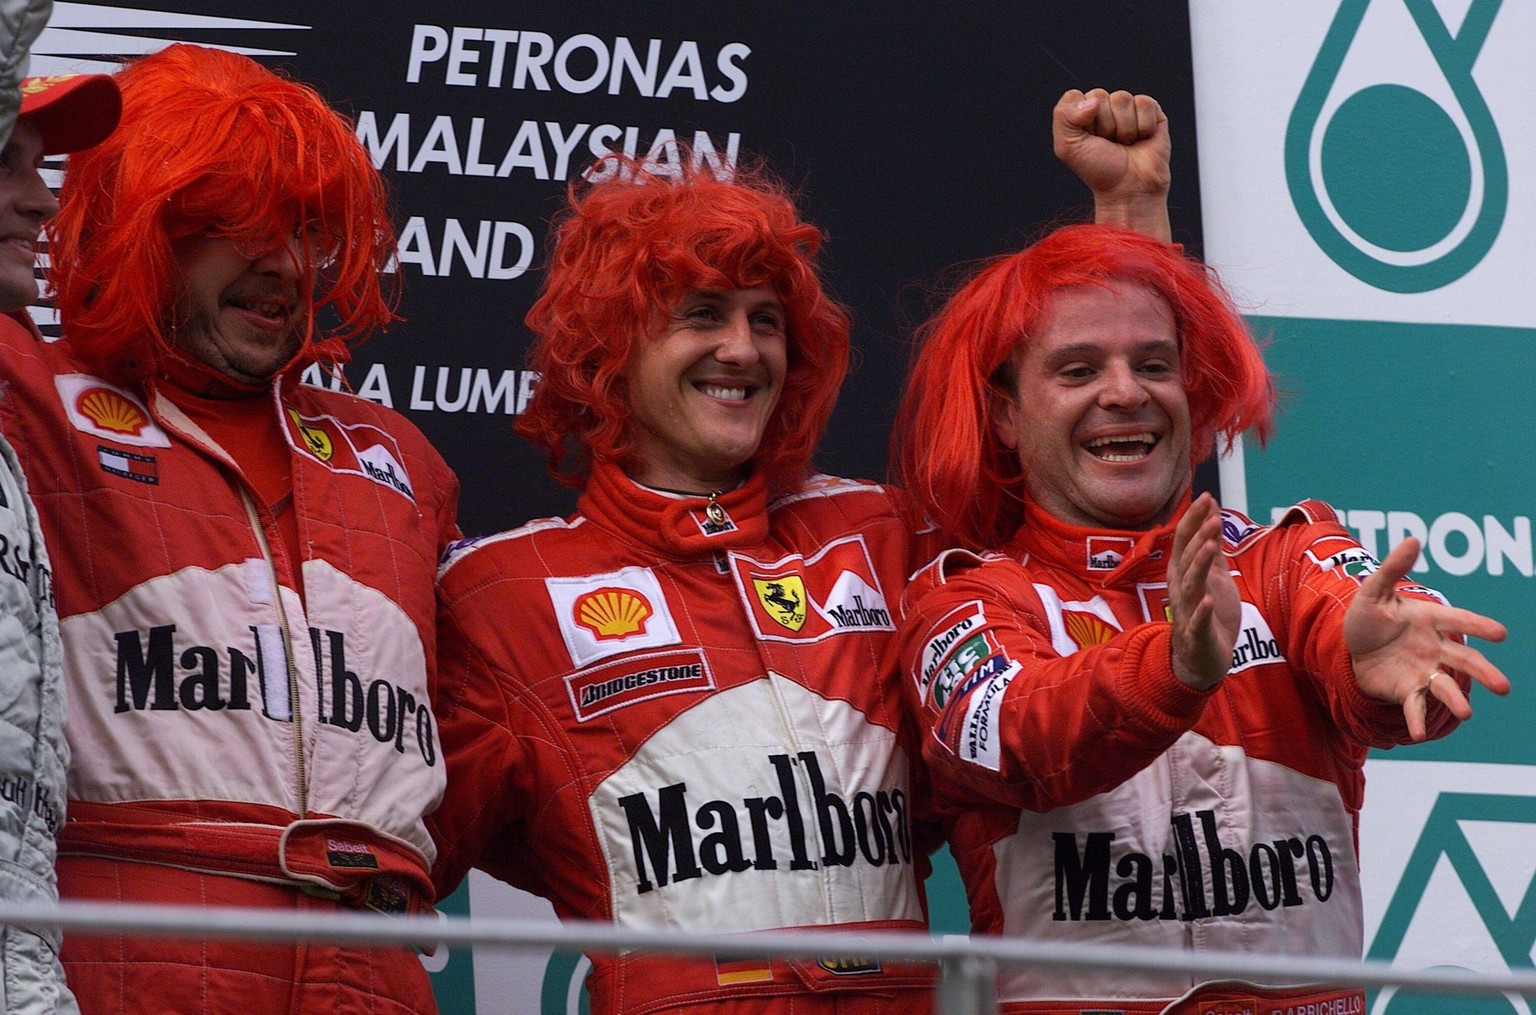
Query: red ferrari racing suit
[(664, 715), (219, 724), (1093, 797)]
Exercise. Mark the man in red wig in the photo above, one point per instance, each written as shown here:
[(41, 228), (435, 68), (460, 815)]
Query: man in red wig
[(676, 708), (56, 115), (1146, 717), (243, 565)]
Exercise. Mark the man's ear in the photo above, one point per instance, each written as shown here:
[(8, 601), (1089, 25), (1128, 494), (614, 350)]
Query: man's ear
[(1000, 410)]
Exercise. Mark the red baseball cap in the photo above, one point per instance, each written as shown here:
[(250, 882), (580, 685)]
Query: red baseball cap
[(71, 111)]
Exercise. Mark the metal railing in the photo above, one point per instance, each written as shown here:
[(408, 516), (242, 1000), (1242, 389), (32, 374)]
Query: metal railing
[(968, 965)]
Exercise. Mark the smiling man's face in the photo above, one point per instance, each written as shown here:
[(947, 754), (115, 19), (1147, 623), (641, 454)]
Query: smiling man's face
[(243, 315), (1097, 411), (25, 204), (703, 388)]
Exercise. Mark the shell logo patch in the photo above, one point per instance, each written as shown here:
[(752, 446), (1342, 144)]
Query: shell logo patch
[(316, 441), (784, 599), (613, 612), (1086, 629), (610, 614), (108, 412), (111, 411)]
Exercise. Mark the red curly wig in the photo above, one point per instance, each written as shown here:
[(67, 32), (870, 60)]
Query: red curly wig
[(946, 450), (627, 247), (212, 143)]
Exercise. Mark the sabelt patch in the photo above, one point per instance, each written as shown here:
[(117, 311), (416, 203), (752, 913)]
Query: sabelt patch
[(797, 598), (106, 411), (350, 855), (634, 679), (1247, 1006), (604, 615), (358, 449)]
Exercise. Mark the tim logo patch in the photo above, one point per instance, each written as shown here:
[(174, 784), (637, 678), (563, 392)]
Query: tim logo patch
[(108, 412), (358, 449), (603, 615), (634, 679), (1355, 562)]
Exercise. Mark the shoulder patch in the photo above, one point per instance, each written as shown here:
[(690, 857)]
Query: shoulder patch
[(1237, 528), (1306, 512), (462, 548), (821, 485), (1354, 561)]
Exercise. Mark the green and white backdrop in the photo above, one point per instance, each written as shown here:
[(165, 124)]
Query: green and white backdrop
[(1363, 173), (1368, 172)]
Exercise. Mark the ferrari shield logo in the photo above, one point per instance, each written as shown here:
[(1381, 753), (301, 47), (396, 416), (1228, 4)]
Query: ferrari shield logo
[(783, 598), (316, 440)]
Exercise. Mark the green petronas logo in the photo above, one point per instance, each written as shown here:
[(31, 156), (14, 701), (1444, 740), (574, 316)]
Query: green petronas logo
[(1401, 192), (1513, 933)]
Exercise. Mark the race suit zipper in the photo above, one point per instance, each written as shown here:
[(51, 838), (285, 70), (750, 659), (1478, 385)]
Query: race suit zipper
[(813, 828), (287, 633)]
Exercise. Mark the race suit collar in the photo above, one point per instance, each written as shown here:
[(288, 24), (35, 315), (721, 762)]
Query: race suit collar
[(671, 525), (1097, 555)]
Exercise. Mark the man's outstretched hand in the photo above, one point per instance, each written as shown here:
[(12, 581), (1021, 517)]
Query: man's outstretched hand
[(1401, 651)]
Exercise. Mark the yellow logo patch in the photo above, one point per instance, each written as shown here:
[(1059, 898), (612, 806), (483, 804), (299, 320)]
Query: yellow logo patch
[(111, 411), (783, 598), (1086, 629), (316, 440), (612, 612)]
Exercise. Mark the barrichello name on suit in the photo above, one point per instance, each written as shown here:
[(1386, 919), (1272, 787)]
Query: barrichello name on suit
[(1095, 883), (678, 839), (155, 673)]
